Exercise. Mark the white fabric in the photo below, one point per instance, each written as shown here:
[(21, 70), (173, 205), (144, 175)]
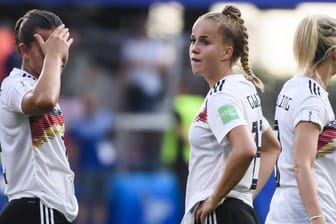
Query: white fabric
[(209, 146), (302, 99), (33, 153)]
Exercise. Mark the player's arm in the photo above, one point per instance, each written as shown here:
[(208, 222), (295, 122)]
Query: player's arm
[(243, 151), (54, 51), (305, 149)]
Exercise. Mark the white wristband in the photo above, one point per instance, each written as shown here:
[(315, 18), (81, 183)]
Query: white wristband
[(311, 218)]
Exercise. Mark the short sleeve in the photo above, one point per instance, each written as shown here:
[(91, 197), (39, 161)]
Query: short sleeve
[(224, 115), (14, 94), (311, 110)]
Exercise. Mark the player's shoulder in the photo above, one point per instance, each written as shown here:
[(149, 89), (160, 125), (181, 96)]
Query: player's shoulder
[(17, 75), (232, 85), (219, 87), (17, 81), (305, 87)]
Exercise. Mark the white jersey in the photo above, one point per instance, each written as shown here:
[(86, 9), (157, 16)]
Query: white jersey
[(33, 154), (232, 102), (302, 99)]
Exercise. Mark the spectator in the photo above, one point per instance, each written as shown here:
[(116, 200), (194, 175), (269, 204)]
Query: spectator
[(143, 69), (92, 135)]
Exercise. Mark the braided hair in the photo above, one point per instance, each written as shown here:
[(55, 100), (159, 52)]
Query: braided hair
[(234, 32)]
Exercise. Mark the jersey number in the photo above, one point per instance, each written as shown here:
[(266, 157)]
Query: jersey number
[(256, 130), (277, 173)]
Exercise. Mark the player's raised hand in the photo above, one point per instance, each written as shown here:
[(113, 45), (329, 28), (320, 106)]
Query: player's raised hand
[(57, 44)]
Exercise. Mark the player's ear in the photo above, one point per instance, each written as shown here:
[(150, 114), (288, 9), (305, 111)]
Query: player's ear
[(227, 53), (333, 52), (23, 50)]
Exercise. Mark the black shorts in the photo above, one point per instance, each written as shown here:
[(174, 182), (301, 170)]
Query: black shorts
[(232, 211), (30, 211)]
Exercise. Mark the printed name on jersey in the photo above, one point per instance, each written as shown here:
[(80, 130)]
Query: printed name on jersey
[(283, 102), (254, 100), (46, 127), (228, 113)]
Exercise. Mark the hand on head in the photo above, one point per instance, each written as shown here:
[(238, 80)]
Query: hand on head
[(57, 44)]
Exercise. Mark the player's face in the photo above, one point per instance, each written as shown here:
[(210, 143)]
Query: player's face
[(206, 48), (34, 57)]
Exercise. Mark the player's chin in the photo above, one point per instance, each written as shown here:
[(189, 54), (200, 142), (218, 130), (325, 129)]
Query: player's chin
[(197, 72)]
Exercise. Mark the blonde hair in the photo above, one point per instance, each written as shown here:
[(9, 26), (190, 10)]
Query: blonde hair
[(314, 38), (234, 32)]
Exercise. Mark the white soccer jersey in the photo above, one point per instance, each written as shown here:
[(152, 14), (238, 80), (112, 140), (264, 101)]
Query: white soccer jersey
[(302, 99), (232, 102), (33, 154)]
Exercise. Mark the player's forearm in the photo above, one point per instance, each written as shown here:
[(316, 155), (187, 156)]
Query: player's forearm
[(267, 162), (307, 189), (235, 169), (48, 86)]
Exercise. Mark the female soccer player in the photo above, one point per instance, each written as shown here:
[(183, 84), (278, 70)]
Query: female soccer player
[(39, 181), (306, 170), (226, 136)]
